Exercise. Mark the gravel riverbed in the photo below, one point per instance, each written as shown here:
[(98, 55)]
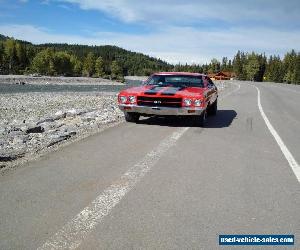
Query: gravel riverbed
[(35, 123)]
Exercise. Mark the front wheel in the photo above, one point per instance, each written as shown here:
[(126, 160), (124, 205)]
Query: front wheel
[(132, 117), (201, 119), (212, 110)]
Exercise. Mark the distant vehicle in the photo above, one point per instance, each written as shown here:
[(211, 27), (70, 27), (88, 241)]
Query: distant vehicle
[(171, 94)]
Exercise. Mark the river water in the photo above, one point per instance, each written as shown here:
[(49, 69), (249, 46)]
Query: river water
[(16, 88)]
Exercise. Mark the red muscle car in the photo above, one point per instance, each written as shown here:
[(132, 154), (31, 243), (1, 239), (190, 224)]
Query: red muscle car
[(171, 93)]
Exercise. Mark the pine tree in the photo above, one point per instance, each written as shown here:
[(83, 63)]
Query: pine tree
[(99, 67), (214, 66), (2, 61), (116, 70), (274, 69), (224, 65), (230, 68), (11, 55), (89, 65), (288, 77), (238, 66), (296, 78), (22, 56), (76, 65), (289, 63), (262, 67), (252, 67)]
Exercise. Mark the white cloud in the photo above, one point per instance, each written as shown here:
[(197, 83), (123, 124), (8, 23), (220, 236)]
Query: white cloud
[(185, 31), (173, 44), (170, 11)]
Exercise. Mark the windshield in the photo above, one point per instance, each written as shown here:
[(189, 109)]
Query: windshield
[(176, 81)]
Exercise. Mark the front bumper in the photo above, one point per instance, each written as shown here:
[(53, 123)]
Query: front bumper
[(161, 110)]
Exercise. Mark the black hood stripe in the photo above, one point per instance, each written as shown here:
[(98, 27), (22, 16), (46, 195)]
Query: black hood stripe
[(167, 90), (172, 90), (154, 90)]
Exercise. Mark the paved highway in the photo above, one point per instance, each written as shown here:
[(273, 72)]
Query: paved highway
[(164, 184)]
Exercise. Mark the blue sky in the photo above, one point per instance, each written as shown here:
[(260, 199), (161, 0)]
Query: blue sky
[(192, 31)]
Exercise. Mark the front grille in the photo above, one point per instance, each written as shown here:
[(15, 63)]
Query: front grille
[(159, 102)]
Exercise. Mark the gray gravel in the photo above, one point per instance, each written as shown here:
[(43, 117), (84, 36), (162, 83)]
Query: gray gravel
[(33, 123)]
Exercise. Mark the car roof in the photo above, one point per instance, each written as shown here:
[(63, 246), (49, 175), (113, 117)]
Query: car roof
[(179, 73)]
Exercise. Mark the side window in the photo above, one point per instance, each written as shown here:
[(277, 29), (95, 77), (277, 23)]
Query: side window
[(208, 82)]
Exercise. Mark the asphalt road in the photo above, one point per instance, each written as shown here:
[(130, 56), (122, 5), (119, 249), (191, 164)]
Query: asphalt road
[(164, 184)]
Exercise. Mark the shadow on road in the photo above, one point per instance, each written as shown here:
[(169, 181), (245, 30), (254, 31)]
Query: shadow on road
[(223, 119)]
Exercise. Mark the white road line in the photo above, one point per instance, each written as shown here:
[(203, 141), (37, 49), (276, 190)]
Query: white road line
[(288, 155), (73, 233)]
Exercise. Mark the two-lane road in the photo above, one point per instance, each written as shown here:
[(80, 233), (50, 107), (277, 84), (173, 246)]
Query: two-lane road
[(162, 183)]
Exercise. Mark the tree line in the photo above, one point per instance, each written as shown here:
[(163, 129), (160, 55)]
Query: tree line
[(253, 67), (257, 67), (21, 57)]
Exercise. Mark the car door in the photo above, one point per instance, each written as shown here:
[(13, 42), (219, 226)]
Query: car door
[(212, 90)]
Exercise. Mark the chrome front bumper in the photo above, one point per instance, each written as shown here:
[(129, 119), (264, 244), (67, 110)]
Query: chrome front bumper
[(161, 110)]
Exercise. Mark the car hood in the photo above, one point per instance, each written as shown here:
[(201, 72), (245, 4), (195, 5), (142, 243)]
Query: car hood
[(150, 90)]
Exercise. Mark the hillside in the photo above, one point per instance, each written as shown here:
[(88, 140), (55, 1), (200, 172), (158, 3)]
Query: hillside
[(3, 38), (132, 63)]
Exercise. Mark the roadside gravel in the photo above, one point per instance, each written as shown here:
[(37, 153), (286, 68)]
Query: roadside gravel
[(35, 123)]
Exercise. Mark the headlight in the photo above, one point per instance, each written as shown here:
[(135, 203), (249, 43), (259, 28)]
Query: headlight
[(132, 99), (187, 102), (123, 99), (197, 102)]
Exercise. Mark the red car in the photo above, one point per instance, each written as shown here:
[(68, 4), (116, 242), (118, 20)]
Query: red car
[(171, 93)]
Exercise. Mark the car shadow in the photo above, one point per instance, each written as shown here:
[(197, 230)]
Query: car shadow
[(224, 118)]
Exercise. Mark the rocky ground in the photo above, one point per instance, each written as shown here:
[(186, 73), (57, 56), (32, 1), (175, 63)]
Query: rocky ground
[(34, 123)]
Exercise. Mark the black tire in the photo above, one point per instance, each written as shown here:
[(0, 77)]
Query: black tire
[(201, 119), (132, 117), (212, 110)]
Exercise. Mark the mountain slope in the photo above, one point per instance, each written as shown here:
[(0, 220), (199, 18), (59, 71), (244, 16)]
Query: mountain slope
[(131, 62)]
